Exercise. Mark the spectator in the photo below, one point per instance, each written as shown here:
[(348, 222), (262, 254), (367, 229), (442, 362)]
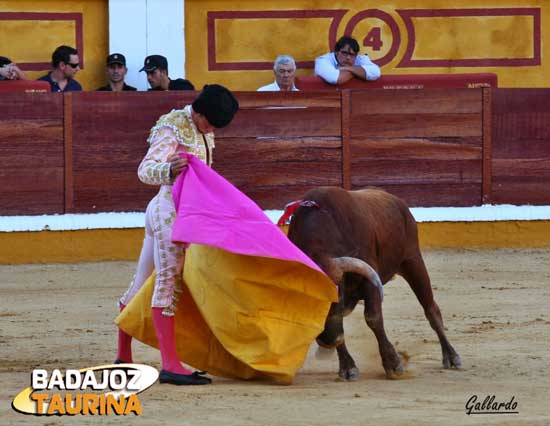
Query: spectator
[(345, 63), (188, 130), (65, 66), (156, 67), (10, 71), (284, 69), (116, 72)]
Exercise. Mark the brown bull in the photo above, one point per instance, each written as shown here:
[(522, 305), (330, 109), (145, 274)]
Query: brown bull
[(361, 239)]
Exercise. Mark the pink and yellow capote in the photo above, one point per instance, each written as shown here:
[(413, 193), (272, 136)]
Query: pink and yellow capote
[(252, 303)]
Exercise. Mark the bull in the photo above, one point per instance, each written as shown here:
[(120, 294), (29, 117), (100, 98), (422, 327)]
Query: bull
[(361, 239)]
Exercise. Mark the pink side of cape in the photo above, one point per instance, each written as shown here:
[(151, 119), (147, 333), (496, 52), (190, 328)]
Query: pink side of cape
[(211, 211)]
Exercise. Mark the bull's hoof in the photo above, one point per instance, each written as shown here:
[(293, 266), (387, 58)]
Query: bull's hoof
[(398, 371), (395, 373), (451, 361), (349, 374)]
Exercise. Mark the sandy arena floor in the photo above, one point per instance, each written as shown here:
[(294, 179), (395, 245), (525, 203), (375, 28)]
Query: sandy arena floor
[(495, 305)]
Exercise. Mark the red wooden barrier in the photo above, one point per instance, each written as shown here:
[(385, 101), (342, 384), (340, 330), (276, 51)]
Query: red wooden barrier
[(109, 139), (521, 146), (24, 86), (424, 146), (31, 146), (79, 152), (408, 81), (281, 145), (271, 152)]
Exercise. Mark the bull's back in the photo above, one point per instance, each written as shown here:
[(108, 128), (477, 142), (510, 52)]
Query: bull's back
[(373, 207), (382, 208), (372, 225), (389, 230)]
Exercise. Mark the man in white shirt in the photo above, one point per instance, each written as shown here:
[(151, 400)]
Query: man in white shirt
[(284, 69), (345, 63)]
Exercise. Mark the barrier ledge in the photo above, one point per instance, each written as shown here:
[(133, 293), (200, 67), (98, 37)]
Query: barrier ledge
[(118, 236)]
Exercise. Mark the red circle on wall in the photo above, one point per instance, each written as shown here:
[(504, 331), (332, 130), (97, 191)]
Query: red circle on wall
[(389, 21)]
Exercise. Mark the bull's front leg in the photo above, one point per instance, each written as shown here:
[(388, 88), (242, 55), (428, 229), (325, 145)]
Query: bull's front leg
[(391, 361), (333, 336), (347, 370)]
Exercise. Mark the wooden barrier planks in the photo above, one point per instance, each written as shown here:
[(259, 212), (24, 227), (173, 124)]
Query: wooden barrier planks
[(79, 152), (110, 133), (425, 146), (487, 148), (521, 146), (281, 145), (274, 171), (31, 146)]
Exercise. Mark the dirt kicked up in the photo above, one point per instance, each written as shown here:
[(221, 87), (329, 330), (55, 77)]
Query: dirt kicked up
[(496, 310)]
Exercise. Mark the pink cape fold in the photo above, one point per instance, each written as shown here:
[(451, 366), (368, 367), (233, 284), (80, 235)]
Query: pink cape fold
[(211, 211)]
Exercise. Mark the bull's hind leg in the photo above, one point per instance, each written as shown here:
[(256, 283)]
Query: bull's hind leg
[(391, 361), (415, 273)]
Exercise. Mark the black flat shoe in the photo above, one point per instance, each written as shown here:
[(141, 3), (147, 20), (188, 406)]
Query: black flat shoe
[(119, 361), (196, 378)]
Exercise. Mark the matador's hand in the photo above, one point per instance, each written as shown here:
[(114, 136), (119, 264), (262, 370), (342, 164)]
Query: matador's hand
[(177, 165)]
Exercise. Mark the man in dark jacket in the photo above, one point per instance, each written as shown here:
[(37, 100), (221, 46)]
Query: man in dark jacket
[(156, 67), (116, 72)]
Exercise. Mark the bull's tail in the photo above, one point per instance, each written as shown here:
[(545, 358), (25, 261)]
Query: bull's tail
[(340, 265)]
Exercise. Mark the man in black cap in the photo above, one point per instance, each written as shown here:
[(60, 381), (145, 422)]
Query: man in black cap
[(156, 67), (187, 130), (116, 72)]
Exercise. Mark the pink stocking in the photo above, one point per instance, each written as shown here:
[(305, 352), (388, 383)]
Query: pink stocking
[(124, 344), (164, 327)]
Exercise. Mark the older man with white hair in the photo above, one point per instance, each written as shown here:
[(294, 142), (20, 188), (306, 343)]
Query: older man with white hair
[(284, 69)]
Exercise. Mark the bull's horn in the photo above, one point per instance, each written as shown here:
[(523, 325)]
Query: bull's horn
[(358, 266)]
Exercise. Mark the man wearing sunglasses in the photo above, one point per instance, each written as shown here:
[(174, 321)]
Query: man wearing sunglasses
[(345, 63), (65, 65)]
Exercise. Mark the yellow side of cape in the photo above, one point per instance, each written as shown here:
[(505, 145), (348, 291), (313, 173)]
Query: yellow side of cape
[(240, 316)]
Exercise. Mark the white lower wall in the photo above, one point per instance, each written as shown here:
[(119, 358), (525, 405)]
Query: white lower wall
[(72, 222)]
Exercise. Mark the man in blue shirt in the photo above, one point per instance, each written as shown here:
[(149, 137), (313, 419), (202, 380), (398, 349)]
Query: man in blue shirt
[(65, 65)]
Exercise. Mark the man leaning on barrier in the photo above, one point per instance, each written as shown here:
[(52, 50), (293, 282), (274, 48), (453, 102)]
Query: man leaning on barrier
[(345, 63)]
